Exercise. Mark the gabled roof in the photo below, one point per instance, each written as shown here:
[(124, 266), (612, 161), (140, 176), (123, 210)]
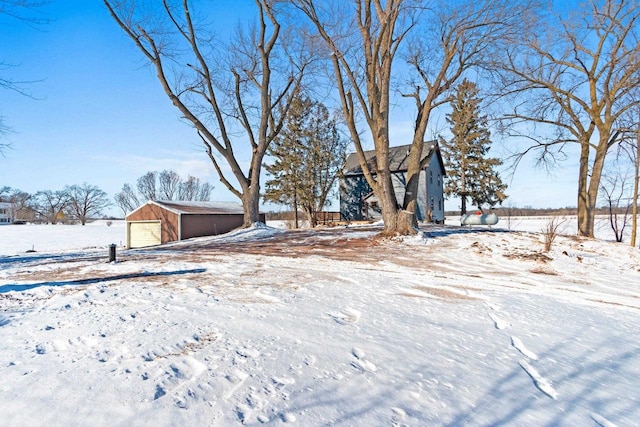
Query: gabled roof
[(398, 159), (194, 208)]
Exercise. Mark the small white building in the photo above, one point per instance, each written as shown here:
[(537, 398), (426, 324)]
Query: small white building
[(6, 213)]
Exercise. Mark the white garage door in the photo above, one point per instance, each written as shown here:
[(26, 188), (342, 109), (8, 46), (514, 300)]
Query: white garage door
[(144, 233)]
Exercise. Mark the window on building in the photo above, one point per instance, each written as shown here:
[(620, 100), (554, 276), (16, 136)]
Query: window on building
[(430, 177)]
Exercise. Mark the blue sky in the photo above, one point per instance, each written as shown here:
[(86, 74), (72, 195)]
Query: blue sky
[(98, 115)]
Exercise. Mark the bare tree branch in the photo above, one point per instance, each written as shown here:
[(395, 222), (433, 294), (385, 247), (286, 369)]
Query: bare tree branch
[(575, 80), (227, 100)]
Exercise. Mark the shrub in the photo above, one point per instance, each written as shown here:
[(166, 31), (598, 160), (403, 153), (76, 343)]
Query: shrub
[(551, 231)]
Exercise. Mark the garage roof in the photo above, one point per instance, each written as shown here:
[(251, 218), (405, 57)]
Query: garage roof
[(193, 208)]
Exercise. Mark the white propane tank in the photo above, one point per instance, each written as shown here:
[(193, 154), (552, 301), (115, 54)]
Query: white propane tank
[(482, 219)]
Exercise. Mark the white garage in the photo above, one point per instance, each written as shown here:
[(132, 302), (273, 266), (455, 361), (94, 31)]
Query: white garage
[(143, 233)]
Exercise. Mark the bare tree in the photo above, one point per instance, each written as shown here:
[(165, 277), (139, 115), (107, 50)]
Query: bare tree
[(20, 10), (165, 185), (363, 38), (21, 203), (636, 184), (629, 149), (86, 200), (17, 9), (50, 205), (614, 190), (169, 181), (147, 187), (240, 98), (453, 39), (127, 199), (193, 189), (572, 79)]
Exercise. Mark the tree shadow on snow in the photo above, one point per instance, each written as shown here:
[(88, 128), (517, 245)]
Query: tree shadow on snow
[(25, 287), (49, 257), (432, 230), (583, 383)]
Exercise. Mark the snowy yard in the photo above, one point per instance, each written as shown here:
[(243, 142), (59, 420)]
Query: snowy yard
[(314, 328)]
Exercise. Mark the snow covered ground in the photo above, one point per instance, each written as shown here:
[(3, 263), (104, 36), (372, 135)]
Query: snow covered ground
[(314, 328)]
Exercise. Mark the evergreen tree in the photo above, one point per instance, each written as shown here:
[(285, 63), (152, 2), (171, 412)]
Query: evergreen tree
[(308, 155), (470, 174)]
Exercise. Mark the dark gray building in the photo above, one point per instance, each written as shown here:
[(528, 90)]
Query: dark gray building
[(358, 202)]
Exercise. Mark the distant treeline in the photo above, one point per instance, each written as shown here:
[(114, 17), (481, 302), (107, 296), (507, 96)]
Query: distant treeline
[(506, 211), (500, 211)]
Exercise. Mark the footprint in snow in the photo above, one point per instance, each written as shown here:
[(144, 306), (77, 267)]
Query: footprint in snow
[(50, 346), (602, 421), (398, 415), (543, 384), (518, 345), (176, 376), (280, 382), (288, 417), (493, 307), (347, 315), (248, 353), (360, 362), (232, 382), (498, 322)]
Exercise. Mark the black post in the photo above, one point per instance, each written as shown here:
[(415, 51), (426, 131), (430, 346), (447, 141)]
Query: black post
[(112, 252)]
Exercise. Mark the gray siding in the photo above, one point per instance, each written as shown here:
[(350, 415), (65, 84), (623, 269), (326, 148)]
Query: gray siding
[(352, 190), (430, 201), (434, 191)]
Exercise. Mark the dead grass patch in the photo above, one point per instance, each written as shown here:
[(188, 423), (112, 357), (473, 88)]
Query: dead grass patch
[(442, 293), (614, 303), (480, 248), (544, 271), (531, 256), (467, 288)]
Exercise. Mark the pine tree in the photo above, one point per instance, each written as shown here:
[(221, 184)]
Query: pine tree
[(286, 172), (308, 155), (470, 174)]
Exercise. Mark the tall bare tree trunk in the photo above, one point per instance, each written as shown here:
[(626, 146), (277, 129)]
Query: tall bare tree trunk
[(636, 177), (382, 26), (250, 205), (583, 196), (413, 183)]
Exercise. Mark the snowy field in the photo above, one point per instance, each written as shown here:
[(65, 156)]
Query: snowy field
[(333, 327)]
